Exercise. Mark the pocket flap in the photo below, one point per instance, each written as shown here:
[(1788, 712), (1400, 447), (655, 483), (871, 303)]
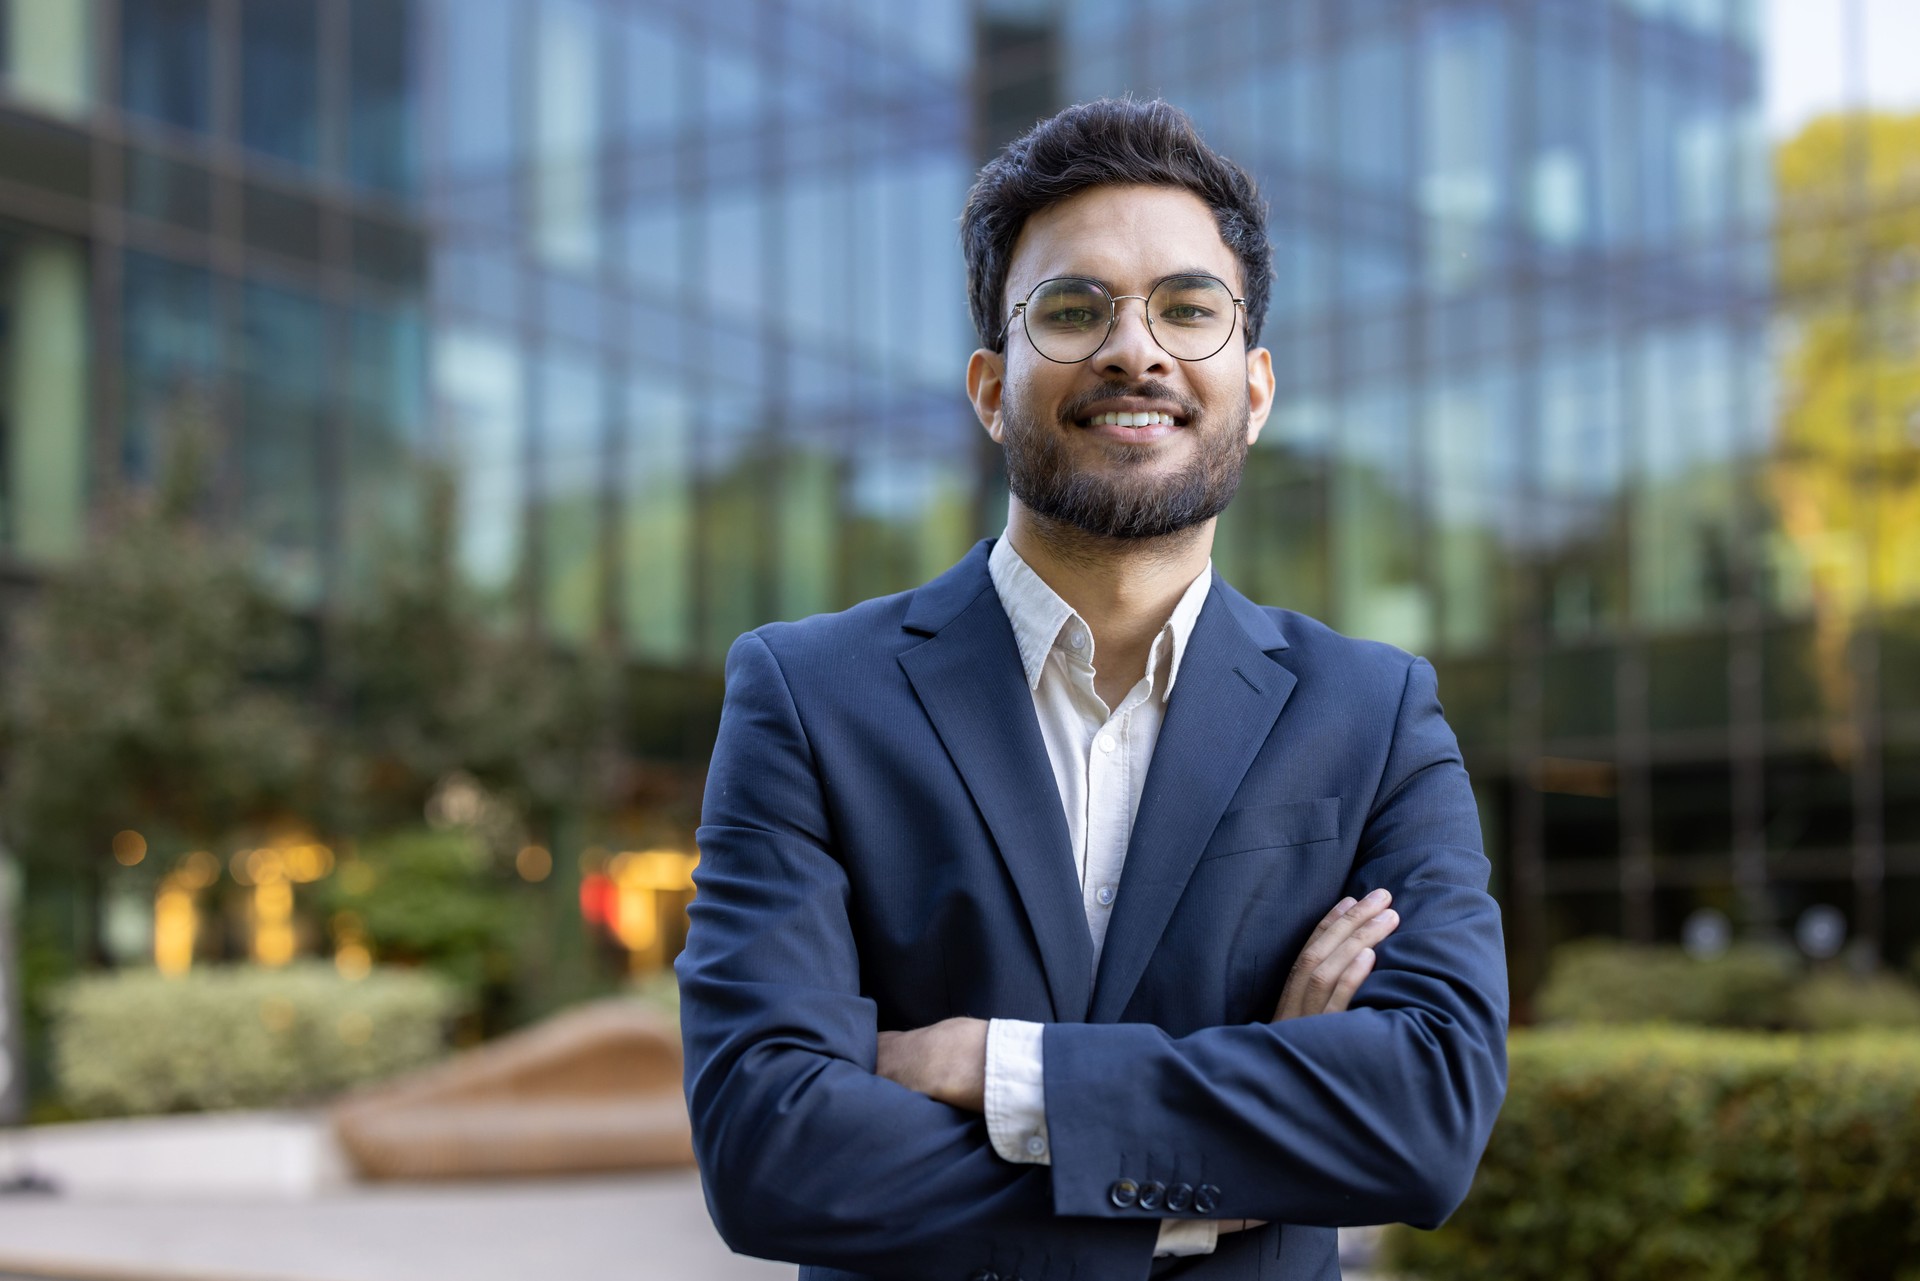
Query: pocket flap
[(1266, 826)]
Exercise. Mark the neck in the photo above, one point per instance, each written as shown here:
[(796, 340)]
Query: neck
[(1125, 588)]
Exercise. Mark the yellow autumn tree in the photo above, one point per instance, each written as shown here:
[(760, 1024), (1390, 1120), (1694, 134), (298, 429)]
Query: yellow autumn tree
[(1844, 476)]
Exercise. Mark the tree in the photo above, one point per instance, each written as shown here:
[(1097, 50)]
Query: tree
[(1845, 474)]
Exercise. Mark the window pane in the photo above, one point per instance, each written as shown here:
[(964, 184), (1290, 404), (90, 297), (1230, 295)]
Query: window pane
[(280, 79), (166, 61), (171, 346), (566, 179), (656, 518), (43, 396), (45, 54), (572, 459), (383, 132), (478, 385), (482, 111), (283, 405), (385, 483)]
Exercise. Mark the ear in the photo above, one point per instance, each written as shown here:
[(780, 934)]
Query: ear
[(986, 384), (1259, 391)]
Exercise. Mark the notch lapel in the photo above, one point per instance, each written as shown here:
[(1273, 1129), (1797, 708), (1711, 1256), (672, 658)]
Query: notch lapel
[(969, 678), (1224, 705)]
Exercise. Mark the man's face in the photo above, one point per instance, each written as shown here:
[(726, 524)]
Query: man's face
[(1115, 481)]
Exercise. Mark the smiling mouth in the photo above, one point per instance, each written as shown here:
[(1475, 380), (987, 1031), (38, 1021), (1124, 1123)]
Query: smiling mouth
[(1146, 418)]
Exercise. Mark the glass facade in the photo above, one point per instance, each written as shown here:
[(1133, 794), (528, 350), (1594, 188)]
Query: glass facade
[(1596, 326)]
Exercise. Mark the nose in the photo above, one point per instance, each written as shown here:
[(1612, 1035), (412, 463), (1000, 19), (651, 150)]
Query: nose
[(1130, 350)]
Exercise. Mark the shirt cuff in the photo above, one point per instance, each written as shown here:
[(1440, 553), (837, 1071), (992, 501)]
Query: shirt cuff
[(1016, 1095), (1187, 1236)]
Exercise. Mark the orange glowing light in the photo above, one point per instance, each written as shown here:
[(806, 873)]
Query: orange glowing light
[(129, 847)]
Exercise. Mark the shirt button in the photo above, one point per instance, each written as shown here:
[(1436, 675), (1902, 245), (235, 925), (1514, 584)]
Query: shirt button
[(1105, 743), (1105, 895), (1077, 639), (1036, 1146)]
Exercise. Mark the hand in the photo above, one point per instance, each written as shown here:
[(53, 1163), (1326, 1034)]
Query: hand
[(947, 1061), (1338, 955)]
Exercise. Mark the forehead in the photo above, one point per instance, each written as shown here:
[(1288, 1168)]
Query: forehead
[(1127, 237)]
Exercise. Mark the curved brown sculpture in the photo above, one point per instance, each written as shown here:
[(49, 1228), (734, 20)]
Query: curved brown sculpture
[(593, 1089)]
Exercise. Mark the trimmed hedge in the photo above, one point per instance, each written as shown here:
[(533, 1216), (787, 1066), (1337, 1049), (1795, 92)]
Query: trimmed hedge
[(1661, 1152), (134, 1042), (1609, 981)]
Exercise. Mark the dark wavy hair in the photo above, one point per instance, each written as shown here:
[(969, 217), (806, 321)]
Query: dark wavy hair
[(1106, 142)]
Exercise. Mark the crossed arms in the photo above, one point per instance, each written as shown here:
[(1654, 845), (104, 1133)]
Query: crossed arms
[(810, 1155)]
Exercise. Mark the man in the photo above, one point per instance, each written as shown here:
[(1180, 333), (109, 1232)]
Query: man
[(988, 971)]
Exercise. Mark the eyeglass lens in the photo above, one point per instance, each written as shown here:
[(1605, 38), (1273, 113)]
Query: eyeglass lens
[(1068, 319)]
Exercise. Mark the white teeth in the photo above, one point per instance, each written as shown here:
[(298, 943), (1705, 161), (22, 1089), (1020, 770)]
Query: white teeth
[(1150, 418)]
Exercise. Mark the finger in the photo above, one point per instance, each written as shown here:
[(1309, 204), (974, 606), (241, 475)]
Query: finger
[(1334, 933), (1350, 980), (1365, 935)]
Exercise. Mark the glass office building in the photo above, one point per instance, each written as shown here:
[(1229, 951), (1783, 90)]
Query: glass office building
[(1596, 369)]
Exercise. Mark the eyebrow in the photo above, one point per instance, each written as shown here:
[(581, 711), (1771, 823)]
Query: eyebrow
[(1087, 275)]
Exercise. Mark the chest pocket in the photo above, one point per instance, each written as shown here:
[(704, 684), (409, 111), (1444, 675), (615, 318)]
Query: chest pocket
[(1261, 827)]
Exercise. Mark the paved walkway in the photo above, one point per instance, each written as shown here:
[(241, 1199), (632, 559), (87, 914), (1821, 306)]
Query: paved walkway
[(640, 1227), (650, 1227)]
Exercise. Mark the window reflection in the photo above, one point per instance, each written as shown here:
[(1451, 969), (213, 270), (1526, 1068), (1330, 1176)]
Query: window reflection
[(43, 396), (478, 385), (384, 504), (566, 177), (383, 128), (283, 349), (572, 459), (280, 79), (166, 61), (169, 359)]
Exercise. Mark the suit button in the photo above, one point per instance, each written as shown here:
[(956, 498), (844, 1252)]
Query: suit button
[(985, 1274), (1205, 1197), (1123, 1193), (1150, 1194), (1179, 1197)]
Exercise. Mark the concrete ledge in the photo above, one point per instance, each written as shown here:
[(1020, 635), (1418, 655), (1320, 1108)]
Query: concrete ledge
[(218, 1155)]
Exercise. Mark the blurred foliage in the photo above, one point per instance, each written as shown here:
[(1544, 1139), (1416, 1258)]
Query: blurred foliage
[(1654, 1153), (148, 688), (1748, 986), (1832, 1000), (420, 897), (135, 1042), (429, 682), (155, 684), (1602, 980), (1845, 475)]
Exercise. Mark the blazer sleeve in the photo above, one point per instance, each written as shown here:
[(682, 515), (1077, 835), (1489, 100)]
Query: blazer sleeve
[(805, 1154), (1377, 1114)]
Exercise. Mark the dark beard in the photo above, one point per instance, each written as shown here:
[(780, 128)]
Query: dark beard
[(1102, 502)]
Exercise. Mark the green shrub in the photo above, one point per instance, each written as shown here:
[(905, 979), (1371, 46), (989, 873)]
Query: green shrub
[(135, 1042), (1748, 986), (1607, 981), (1665, 1152), (1835, 1001)]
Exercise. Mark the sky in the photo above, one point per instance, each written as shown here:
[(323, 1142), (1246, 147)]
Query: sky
[(1808, 58)]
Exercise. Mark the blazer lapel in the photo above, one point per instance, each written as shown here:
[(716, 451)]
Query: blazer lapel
[(969, 678), (1224, 704)]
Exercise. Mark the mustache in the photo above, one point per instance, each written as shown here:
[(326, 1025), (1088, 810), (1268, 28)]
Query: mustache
[(1080, 405)]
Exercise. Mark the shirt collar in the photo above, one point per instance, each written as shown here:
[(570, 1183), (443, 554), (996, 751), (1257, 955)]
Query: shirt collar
[(1039, 615)]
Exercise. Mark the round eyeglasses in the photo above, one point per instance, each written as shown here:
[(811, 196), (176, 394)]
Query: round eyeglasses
[(1068, 318)]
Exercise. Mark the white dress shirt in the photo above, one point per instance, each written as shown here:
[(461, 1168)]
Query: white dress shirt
[(1099, 757)]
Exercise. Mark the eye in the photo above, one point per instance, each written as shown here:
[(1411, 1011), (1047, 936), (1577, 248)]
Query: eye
[(1077, 317)]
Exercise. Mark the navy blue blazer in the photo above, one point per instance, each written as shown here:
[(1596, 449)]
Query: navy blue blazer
[(882, 846)]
